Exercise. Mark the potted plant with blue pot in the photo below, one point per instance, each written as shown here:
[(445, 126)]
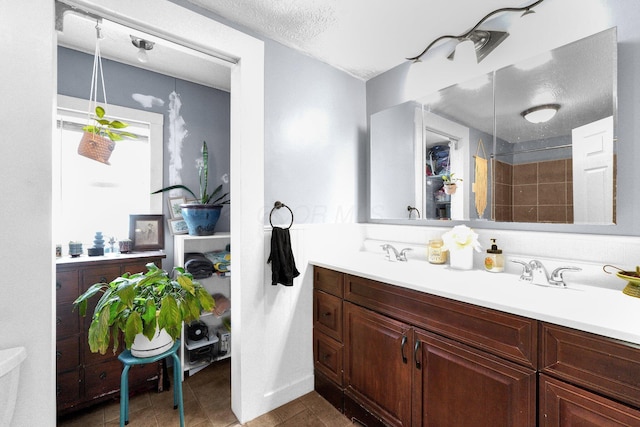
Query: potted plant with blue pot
[(202, 216)]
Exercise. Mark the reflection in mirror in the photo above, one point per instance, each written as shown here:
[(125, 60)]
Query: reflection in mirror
[(464, 124), (394, 191), (536, 173), (560, 170)]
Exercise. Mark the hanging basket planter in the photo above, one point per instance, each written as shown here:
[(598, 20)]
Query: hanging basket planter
[(450, 188), (96, 147)]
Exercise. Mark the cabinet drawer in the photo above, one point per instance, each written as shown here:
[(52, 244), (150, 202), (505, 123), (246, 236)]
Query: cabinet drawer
[(67, 388), (563, 404), (67, 320), (327, 354), (66, 286), (603, 365), (67, 353), (503, 334), (327, 314), (99, 275), (328, 280), (102, 379)]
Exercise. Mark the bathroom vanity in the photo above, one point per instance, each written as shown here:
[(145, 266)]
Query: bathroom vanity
[(83, 377), (389, 353)]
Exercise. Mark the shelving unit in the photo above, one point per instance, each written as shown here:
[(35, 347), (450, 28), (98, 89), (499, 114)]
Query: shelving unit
[(216, 284)]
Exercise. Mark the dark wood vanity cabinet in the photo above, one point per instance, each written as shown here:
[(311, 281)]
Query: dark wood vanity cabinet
[(83, 377), (587, 380), (412, 359), (408, 358)]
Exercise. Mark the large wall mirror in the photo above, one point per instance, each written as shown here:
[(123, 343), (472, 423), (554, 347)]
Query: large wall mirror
[(513, 168)]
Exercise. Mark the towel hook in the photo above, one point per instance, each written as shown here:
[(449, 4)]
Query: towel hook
[(277, 205)]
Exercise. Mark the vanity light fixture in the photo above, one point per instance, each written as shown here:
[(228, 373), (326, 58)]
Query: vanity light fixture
[(485, 41), (143, 46), (541, 113)]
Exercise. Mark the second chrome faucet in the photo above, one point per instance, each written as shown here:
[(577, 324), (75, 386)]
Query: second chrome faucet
[(535, 272)]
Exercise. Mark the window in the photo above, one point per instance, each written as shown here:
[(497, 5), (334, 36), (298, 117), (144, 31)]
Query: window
[(89, 196)]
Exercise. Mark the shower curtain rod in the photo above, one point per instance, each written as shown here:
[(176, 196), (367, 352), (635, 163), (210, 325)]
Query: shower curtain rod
[(531, 150)]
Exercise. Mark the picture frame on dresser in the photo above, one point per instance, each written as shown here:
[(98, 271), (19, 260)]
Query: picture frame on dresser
[(146, 232)]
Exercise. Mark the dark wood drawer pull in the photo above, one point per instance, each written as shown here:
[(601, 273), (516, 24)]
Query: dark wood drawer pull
[(327, 314), (103, 375), (402, 345), (58, 320), (58, 286), (103, 280), (416, 356), (58, 355)]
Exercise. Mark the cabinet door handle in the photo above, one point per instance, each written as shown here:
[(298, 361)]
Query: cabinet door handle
[(58, 355), (58, 285), (327, 314), (58, 320), (416, 356), (402, 345), (103, 375), (103, 280)]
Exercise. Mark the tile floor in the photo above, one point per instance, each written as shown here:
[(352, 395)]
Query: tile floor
[(207, 403)]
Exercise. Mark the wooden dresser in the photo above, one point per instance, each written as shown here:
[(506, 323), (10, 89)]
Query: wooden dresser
[(84, 378)]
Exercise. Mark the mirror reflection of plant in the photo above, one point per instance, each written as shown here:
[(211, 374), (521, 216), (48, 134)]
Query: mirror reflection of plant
[(450, 178), (108, 128), (203, 172), (136, 303)]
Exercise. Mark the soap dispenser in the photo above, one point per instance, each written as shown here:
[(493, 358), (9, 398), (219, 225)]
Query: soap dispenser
[(494, 260)]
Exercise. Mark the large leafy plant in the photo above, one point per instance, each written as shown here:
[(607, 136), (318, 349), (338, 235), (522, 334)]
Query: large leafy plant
[(136, 303), (107, 128), (213, 198)]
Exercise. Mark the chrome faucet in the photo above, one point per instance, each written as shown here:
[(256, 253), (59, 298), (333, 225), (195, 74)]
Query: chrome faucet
[(557, 279), (534, 272), (539, 275), (393, 254), (526, 275)]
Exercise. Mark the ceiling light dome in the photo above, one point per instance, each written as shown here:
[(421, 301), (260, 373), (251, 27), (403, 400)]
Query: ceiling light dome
[(541, 113)]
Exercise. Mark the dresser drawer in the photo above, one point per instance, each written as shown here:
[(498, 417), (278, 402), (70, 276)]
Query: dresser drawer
[(102, 379), (68, 353), (328, 280), (602, 365), (67, 388), (104, 274), (506, 335), (327, 314), (67, 286), (327, 354), (67, 320)]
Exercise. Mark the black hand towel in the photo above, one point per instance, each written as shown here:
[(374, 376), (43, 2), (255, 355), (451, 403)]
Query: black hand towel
[(283, 266)]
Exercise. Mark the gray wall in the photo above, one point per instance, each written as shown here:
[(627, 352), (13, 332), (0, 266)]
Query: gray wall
[(205, 111), (315, 136)]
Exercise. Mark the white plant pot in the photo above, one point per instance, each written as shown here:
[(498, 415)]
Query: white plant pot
[(461, 259), (143, 347)]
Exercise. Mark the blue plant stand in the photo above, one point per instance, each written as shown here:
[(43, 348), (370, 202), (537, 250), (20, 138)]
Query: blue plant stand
[(128, 360)]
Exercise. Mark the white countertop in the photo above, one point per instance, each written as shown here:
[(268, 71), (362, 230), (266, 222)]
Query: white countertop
[(592, 309)]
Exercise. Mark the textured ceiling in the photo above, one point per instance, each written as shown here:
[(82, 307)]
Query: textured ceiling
[(362, 37)]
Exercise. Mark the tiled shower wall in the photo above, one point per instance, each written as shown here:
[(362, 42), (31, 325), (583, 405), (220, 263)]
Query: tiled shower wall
[(534, 192)]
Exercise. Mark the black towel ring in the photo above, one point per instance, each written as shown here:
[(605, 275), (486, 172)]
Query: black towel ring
[(277, 205)]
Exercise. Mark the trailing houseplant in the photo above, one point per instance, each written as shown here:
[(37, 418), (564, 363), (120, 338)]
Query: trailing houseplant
[(143, 303), (450, 183), (201, 216), (98, 139)]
